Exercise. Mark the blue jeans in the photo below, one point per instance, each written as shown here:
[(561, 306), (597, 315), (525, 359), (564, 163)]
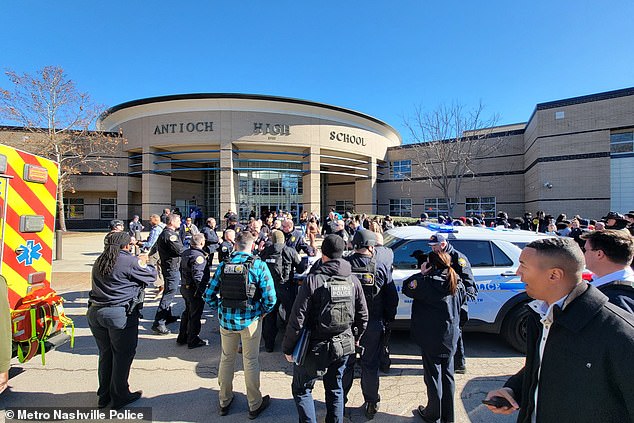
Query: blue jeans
[(302, 387)]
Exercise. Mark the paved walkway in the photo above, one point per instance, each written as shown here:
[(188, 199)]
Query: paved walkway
[(180, 385)]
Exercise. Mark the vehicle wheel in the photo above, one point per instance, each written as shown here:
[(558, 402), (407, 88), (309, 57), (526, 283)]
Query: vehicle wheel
[(514, 327)]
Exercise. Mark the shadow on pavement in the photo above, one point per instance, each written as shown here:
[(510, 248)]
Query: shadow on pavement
[(475, 391)]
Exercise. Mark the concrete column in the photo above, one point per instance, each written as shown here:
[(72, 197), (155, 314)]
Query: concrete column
[(123, 189), (311, 181), (227, 178), (156, 189), (365, 190)]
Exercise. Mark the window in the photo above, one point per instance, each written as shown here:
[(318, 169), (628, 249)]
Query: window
[(480, 205), (435, 207), (73, 208), (344, 206), (107, 208), (401, 169), (401, 207), (500, 258), (621, 142), (478, 252), (403, 254)]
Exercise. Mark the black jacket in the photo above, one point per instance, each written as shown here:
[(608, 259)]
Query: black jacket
[(435, 313), (289, 262), (296, 240), (385, 303), (170, 247), (307, 301), (586, 374), (460, 263), (212, 242), (193, 264), (620, 293), (128, 277)]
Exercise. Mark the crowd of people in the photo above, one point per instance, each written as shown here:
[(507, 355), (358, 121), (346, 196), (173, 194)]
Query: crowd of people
[(335, 306)]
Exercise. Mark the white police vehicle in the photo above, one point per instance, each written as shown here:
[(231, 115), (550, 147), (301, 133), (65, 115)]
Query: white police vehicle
[(494, 257)]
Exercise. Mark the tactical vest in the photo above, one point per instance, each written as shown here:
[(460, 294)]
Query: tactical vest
[(335, 312), (274, 263), (367, 276), (236, 291)]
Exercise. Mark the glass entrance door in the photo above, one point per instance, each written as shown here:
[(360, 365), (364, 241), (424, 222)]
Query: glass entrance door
[(264, 191)]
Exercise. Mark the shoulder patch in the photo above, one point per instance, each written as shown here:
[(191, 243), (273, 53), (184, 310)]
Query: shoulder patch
[(142, 264), (224, 248), (173, 238), (412, 284), (200, 260), (462, 262), (292, 239)]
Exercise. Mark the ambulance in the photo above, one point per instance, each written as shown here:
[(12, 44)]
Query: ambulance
[(28, 196)]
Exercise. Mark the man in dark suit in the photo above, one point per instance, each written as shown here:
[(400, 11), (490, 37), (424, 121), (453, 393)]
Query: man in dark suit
[(577, 340)]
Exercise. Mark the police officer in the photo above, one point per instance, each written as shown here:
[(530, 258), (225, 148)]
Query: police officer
[(234, 225), (154, 259), (373, 268), (330, 304), (295, 239), (170, 248), (118, 283), (226, 248), (282, 261), (461, 265), (193, 284), (212, 243)]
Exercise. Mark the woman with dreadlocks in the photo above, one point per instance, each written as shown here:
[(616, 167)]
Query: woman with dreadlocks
[(118, 283)]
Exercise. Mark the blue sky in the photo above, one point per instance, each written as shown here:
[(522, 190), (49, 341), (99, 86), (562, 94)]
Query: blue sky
[(380, 58)]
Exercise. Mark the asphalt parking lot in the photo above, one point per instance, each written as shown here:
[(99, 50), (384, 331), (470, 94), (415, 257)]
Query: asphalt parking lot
[(180, 385)]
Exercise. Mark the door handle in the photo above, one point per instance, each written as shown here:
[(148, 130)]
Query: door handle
[(510, 273)]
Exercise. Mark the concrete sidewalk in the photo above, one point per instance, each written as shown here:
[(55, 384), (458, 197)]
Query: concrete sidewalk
[(180, 385)]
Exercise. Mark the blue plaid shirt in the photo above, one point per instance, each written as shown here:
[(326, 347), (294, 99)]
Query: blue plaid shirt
[(236, 319)]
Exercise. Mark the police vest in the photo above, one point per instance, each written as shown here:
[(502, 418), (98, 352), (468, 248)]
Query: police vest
[(236, 291), (367, 276), (335, 312), (274, 263)]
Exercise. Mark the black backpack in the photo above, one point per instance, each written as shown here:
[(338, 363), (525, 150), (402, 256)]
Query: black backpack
[(335, 311)]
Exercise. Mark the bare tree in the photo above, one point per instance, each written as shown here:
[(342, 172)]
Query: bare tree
[(447, 142), (59, 118)]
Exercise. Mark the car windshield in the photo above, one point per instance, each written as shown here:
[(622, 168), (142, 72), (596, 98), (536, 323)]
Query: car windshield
[(390, 241)]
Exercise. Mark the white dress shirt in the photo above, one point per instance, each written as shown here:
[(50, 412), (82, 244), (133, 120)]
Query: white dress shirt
[(626, 274), (546, 313)]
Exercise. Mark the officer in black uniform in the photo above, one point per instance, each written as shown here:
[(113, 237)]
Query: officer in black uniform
[(170, 248), (459, 263), (212, 243), (226, 248), (193, 285), (373, 268), (330, 304), (282, 261), (234, 225), (118, 283), (295, 239)]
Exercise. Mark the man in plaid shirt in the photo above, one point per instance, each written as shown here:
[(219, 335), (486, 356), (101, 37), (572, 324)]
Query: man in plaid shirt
[(242, 324)]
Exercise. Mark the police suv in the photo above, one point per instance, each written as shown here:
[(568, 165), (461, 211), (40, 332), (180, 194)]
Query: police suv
[(494, 257)]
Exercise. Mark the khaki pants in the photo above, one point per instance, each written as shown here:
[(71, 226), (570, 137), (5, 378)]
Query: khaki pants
[(250, 337), (155, 260)]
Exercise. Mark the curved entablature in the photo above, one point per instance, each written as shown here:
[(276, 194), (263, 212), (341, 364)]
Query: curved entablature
[(116, 116)]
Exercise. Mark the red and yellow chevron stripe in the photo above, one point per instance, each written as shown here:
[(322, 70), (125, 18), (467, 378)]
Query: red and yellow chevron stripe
[(26, 254)]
